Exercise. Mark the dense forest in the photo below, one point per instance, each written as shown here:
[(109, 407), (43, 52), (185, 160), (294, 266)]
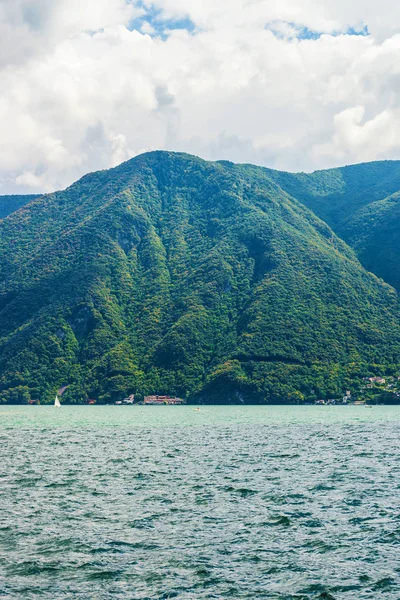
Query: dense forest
[(215, 282), (362, 205), (9, 204)]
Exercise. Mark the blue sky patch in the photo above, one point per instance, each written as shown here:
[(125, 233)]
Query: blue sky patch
[(162, 26), (304, 33)]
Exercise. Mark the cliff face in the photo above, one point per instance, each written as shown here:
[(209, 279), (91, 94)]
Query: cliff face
[(169, 274)]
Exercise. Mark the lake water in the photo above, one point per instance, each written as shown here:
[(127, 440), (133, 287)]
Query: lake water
[(229, 502)]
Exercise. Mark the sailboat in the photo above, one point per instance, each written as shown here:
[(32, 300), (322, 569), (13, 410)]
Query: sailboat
[(57, 403)]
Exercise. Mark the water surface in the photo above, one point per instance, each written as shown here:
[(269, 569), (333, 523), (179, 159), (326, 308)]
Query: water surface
[(229, 502)]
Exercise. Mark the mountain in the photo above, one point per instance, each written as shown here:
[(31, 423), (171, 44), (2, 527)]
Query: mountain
[(170, 274), (361, 204), (374, 233), (9, 204)]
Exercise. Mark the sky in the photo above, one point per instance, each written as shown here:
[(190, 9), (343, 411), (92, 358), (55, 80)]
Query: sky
[(296, 85)]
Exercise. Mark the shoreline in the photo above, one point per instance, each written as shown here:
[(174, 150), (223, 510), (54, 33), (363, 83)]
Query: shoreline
[(362, 405)]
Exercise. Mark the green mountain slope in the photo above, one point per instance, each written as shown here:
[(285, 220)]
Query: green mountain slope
[(9, 204), (374, 233), (360, 203), (169, 274)]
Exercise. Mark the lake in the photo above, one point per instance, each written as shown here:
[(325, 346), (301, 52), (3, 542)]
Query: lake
[(229, 502)]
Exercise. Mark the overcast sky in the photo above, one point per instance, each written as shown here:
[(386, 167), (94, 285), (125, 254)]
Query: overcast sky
[(289, 84)]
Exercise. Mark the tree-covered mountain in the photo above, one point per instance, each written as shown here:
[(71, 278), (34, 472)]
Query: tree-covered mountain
[(361, 204), (374, 233), (170, 274), (9, 204)]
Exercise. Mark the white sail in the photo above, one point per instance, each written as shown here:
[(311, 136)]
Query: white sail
[(57, 402)]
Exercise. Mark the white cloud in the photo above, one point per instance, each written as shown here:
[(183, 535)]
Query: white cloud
[(30, 27), (381, 17), (81, 89), (366, 139)]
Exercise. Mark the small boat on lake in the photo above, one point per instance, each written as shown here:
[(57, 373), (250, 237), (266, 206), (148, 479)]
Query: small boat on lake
[(57, 403)]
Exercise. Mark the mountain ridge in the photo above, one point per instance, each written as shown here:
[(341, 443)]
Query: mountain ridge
[(170, 274)]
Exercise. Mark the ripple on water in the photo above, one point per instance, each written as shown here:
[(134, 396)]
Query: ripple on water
[(233, 502)]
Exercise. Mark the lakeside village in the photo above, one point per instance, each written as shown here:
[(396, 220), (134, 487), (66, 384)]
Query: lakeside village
[(372, 390), (152, 401)]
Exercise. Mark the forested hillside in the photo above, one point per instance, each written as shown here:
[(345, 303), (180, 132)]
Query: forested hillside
[(9, 204), (170, 274), (361, 204)]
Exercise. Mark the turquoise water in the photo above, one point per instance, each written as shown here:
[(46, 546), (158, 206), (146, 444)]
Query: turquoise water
[(229, 502)]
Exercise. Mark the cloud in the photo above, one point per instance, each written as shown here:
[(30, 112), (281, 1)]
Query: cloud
[(86, 85), (31, 27), (381, 17), (354, 135)]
